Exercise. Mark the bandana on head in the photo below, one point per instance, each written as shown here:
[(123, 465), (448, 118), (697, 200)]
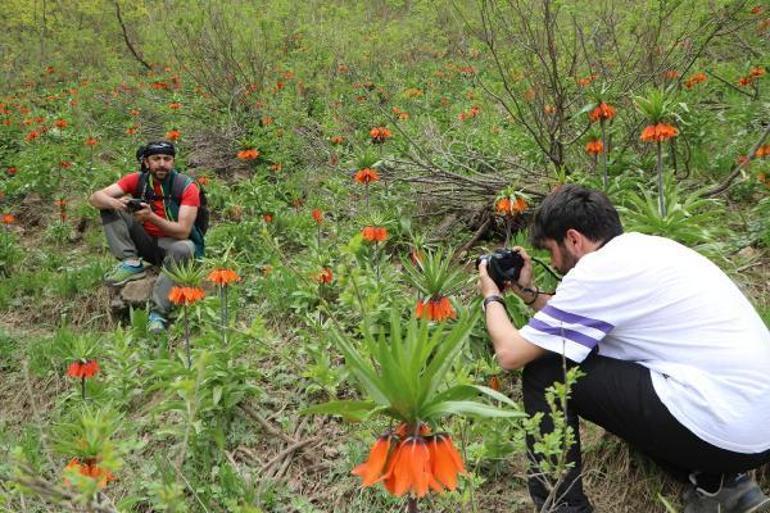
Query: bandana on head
[(156, 148)]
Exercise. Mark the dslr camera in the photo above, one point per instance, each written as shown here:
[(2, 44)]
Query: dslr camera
[(134, 205), (502, 265)]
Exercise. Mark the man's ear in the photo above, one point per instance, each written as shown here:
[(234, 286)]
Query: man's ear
[(573, 237)]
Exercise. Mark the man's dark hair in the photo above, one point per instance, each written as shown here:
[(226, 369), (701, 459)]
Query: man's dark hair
[(573, 206)]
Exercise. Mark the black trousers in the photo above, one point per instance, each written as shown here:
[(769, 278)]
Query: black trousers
[(619, 396)]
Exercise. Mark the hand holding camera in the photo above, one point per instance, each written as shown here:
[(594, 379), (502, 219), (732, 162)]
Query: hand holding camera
[(135, 205), (505, 267)]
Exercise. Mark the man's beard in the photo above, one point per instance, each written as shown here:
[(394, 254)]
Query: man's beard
[(155, 172), (568, 260)]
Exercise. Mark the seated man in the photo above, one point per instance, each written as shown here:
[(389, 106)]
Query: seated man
[(675, 357), (157, 228)]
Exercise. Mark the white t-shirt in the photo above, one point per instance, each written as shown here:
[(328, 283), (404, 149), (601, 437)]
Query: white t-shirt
[(654, 301)]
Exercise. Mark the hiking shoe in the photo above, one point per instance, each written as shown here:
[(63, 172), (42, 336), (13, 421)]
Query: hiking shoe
[(156, 323), (740, 495), (123, 273)]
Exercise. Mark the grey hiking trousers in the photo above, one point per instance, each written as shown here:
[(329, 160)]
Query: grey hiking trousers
[(128, 239)]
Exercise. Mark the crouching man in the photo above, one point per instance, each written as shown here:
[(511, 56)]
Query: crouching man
[(675, 357), (148, 219)]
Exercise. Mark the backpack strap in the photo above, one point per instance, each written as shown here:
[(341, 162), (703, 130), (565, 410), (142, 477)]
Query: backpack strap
[(178, 187), (141, 186)]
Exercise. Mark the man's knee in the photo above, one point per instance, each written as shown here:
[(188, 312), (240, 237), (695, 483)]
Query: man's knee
[(543, 372), (181, 250), (110, 216)]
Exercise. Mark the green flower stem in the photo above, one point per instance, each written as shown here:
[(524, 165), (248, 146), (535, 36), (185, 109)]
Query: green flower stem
[(605, 149), (661, 192), (83, 387), (187, 337)]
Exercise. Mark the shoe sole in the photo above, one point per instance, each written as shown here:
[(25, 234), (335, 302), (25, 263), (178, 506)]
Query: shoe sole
[(135, 276)]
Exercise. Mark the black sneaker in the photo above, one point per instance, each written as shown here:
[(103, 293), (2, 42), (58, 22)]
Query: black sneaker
[(740, 495)]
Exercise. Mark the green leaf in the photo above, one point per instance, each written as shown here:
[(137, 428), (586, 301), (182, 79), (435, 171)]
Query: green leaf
[(366, 376), (353, 411), (217, 394), (463, 392), (468, 408), (448, 350)]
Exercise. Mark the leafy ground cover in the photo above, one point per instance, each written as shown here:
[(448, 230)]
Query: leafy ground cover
[(357, 158)]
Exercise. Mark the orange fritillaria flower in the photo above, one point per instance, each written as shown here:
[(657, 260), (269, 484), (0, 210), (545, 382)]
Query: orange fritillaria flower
[(173, 135), (762, 151), (373, 468), (757, 9), (409, 469), (757, 72), (248, 154), (671, 74), (504, 205), (186, 295), (174, 105), (65, 164), (379, 134), (318, 215), (325, 276), (602, 111), (374, 233), (81, 369), (445, 461), (366, 176), (61, 123), (437, 309), (494, 383), (31, 136), (91, 142), (695, 79), (90, 469), (400, 114), (11, 170), (658, 132), (9, 219), (336, 140), (745, 81), (131, 130), (267, 217), (594, 147), (223, 277)]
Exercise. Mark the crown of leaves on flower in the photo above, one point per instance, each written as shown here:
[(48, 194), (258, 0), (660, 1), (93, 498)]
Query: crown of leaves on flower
[(87, 433), (435, 274), (366, 159), (185, 274), (657, 105), (403, 373)]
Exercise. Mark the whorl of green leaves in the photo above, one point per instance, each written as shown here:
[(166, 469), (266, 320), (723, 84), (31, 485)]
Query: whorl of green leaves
[(406, 375), (656, 105), (434, 274)]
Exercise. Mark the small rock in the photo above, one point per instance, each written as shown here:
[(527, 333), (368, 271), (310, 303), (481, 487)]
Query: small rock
[(748, 253), (138, 291)]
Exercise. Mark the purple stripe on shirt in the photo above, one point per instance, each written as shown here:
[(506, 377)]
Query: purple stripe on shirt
[(571, 318), (574, 336)]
